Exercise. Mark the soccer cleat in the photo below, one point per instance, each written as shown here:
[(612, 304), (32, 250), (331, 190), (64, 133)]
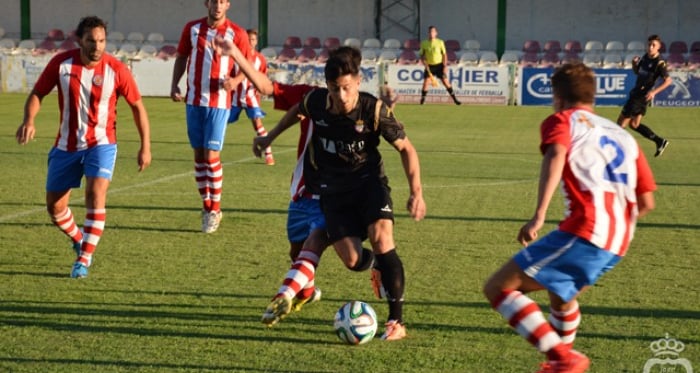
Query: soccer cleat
[(661, 147), (79, 270), (213, 219), (269, 160), (280, 307), (394, 331), (298, 303), (575, 362), (377, 286), (457, 102)]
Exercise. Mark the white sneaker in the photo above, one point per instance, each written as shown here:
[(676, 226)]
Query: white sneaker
[(213, 219)]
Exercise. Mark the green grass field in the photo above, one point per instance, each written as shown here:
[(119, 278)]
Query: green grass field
[(163, 297)]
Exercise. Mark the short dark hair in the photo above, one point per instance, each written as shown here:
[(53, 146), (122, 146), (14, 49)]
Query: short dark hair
[(654, 38), (574, 83), (252, 31), (343, 61), (89, 23)]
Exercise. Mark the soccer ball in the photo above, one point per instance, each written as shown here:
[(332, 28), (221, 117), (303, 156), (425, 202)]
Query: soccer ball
[(355, 323)]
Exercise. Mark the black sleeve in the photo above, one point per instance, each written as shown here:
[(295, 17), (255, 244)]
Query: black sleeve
[(391, 129)]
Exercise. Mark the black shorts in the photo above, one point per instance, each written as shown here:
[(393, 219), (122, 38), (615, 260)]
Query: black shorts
[(635, 105), (438, 70), (349, 214)]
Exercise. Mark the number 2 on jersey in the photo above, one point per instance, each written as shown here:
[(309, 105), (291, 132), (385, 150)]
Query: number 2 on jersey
[(610, 174)]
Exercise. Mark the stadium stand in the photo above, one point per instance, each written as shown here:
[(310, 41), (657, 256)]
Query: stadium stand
[(663, 47), (111, 48), (155, 38), (452, 57), (323, 55), (387, 55), (627, 62), (695, 46), (614, 46), (592, 59), (551, 46), (146, 51), (509, 58), (353, 42), (331, 42), (471, 45), (570, 57), (636, 46), (115, 37), (369, 55), (678, 46), (488, 58), (68, 44), (2, 32), (529, 59), (594, 46), (412, 44), (26, 46), (127, 50), (135, 37), (408, 57), (169, 51), (549, 59), (47, 46), (675, 60), (573, 46), (312, 42), (269, 53), (452, 45), (7, 45), (694, 60)]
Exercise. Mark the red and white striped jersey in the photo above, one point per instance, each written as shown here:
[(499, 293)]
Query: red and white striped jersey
[(245, 95), (87, 98), (206, 70), (285, 96), (604, 172)]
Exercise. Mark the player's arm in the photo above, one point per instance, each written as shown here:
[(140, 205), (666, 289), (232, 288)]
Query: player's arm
[(178, 71), (290, 118), (261, 82), (411, 166), (645, 203), (550, 176), (144, 129), (667, 82), (26, 130)]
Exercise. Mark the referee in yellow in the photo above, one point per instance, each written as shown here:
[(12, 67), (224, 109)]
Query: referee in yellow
[(433, 55)]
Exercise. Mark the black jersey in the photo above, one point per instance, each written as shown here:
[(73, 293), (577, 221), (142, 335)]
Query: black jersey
[(343, 152), (649, 70)]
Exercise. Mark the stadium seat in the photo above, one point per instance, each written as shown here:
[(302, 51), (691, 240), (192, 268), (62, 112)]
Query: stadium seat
[(269, 53), (594, 46), (570, 57), (509, 58), (323, 55), (369, 54), (695, 46), (530, 59), (372, 43), (312, 42), (469, 58), (55, 35), (135, 37), (452, 45), (488, 58), (412, 44), (675, 60), (69, 44), (636, 46), (678, 47), (331, 43), (7, 45), (550, 58), (387, 55), (471, 45), (394, 44), (629, 57), (612, 60), (353, 42), (2, 32), (531, 46), (592, 59), (111, 48), (46, 46), (127, 50), (146, 51), (307, 54), (26, 46), (614, 46), (573, 46), (167, 51), (286, 54), (408, 57), (551, 46), (694, 60), (452, 57), (293, 42), (115, 37), (155, 38)]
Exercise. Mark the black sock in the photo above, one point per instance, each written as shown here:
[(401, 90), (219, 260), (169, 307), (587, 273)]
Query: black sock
[(647, 132), (391, 268), (452, 94), (422, 96)]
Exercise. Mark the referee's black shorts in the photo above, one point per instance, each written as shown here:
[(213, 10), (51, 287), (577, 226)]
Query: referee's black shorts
[(437, 70)]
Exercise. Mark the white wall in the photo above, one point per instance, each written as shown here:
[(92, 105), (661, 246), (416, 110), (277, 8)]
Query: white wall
[(456, 19)]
